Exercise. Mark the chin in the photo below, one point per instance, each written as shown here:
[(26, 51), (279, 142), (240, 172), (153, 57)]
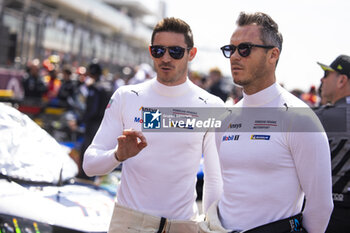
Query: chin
[(237, 80)]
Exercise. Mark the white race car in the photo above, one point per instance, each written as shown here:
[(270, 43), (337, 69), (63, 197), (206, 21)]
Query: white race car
[(38, 192)]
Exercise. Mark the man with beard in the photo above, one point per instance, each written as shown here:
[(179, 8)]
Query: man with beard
[(335, 117), (280, 157), (157, 191)]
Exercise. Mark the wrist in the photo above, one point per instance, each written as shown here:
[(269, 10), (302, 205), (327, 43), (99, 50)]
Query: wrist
[(117, 158)]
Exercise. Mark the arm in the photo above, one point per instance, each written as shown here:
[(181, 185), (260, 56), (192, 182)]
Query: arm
[(213, 184), (112, 144), (99, 158), (311, 154)]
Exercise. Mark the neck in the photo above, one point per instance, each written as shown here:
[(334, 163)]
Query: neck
[(263, 97), (258, 86), (175, 80), (171, 83), (171, 91)]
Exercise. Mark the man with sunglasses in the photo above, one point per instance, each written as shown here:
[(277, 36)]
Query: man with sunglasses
[(280, 154), (335, 118), (157, 192)]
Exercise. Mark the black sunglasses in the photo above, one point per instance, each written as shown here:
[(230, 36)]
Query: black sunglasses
[(244, 49), (326, 73), (175, 52)]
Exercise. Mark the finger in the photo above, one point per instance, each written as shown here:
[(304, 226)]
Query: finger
[(134, 133), (131, 132), (121, 139), (142, 138), (128, 131), (142, 145)]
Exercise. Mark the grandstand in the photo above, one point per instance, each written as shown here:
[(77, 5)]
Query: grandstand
[(112, 31)]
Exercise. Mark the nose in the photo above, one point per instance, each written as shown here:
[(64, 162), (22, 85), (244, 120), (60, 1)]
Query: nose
[(166, 57), (235, 55)]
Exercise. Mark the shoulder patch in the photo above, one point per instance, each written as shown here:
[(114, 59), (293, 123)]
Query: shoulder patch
[(109, 103)]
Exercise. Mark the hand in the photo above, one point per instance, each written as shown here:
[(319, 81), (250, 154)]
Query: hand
[(130, 144)]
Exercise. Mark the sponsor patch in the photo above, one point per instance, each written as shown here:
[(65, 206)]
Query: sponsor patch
[(138, 120), (264, 124), (295, 224), (230, 138), (235, 125), (260, 137)]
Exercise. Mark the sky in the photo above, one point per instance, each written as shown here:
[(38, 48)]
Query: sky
[(313, 31)]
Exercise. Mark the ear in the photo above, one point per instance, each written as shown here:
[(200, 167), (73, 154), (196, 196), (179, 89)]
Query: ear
[(274, 55), (149, 49), (342, 81), (192, 53)]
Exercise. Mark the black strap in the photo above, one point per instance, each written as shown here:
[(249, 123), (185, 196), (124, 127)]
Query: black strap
[(161, 225), (291, 224)]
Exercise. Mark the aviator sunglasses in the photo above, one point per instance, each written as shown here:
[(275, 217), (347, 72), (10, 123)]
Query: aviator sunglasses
[(175, 52), (244, 49)]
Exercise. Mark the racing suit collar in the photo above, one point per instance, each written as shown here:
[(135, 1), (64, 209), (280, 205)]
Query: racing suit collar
[(171, 91), (262, 97)]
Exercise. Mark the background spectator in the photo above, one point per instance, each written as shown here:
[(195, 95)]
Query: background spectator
[(215, 84), (33, 84), (96, 102)]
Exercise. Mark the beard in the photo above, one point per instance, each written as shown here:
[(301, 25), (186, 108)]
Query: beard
[(253, 73), (171, 77)]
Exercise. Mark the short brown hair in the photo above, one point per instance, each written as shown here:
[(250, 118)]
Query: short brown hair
[(174, 25), (269, 28), (215, 70)]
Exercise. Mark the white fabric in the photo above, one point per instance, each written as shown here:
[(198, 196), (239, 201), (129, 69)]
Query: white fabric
[(131, 221), (161, 179), (212, 223), (265, 180)]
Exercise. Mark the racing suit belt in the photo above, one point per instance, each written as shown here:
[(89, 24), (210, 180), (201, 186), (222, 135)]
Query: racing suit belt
[(212, 224)]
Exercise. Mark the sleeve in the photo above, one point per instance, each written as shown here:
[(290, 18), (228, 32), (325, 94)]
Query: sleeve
[(99, 157), (213, 184), (311, 154)]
